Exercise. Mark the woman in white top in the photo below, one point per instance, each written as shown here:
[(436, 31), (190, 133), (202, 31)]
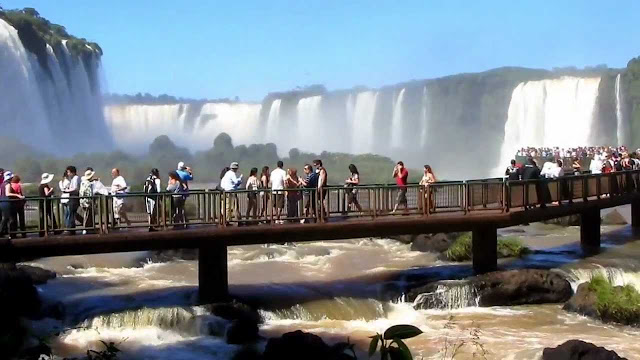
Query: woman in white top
[(428, 178), (253, 184)]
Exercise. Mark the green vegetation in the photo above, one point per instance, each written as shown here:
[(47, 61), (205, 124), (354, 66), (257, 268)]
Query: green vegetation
[(508, 246), (391, 344), (164, 154), (616, 303)]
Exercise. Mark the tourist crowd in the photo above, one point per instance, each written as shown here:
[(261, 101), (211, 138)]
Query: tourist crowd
[(78, 195)]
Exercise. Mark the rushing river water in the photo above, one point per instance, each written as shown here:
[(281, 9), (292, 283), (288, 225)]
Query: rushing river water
[(338, 290)]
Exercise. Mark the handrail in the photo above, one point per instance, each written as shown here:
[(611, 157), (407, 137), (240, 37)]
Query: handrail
[(44, 215)]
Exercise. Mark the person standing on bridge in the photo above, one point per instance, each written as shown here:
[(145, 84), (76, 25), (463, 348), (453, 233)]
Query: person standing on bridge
[(177, 190), (253, 184), (8, 222), (45, 208), (73, 191), (153, 187), (428, 178), (277, 186), (401, 174), (512, 172), (292, 183), (119, 187), (322, 185), (351, 183), (231, 182), (310, 181), (264, 184), (531, 171)]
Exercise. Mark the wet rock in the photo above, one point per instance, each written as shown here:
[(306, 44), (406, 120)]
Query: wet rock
[(38, 275), (571, 220), (18, 296), (579, 350), (519, 287), (500, 288), (301, 345), (432, 243), (613, 217), (583, 302), (242, 332), (161, 256), (235, 311), (247, 353)]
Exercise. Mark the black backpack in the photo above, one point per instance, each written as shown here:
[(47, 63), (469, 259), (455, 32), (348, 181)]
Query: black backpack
[(150, 185)]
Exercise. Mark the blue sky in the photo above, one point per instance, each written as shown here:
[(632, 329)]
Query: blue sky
[(218, 49)]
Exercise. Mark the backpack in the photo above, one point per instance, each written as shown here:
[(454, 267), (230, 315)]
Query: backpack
[(617, 165), (150, 185), (86, 192)]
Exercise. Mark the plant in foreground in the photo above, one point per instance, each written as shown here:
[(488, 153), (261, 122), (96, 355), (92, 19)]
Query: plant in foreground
[(391, 345)]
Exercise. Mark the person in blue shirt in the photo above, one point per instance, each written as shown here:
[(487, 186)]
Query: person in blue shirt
[(185, 174)]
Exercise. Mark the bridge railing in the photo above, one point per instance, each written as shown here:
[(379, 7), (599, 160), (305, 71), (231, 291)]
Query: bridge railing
[(46, 216)]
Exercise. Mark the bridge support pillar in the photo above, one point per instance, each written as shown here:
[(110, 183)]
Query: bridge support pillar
[(590, 231), (484, 246), (635, 213), (213, 279)]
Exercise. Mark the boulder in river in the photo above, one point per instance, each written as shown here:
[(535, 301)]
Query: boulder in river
[(38, 275), (621, 304), (571, 220), (436, 243), (301, 345), (500, 288), (614, 217), (579, 350), (242, 332)]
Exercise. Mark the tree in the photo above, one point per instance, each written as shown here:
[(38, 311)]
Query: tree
[(31, 12), (223, 143)]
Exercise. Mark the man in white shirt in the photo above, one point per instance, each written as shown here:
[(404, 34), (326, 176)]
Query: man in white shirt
[(72, 190), (277, 185), (231, 182), (119, 187)]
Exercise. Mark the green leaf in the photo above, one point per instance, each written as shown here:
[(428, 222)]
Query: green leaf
[(404, 348), (396, 354), (402, 332), (373, 345)]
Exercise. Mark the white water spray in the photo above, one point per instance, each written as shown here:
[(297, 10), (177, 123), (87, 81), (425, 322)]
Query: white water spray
[(397, 125)]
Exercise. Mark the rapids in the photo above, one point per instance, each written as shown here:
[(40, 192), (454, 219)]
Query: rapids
[(338, 290)]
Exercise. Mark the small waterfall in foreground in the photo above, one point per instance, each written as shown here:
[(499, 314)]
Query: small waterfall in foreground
[(397, 124), (340, 308), (556, 112), (617, 277), (448, 295), (623, 131)]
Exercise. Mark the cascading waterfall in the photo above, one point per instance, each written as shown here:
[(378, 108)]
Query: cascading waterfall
[(361, 113), (135, 126), (273, 120), (623, 128), (616, 276), (48, 107), (397, 125), (310, 127), (557, 112), (449, 295), (424, 117)]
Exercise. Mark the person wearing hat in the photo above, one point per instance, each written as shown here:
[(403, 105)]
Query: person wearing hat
[(8, 222), (88, 188), (45, 192), (231, 182)]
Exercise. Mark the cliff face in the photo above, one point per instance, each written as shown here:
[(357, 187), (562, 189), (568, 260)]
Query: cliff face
[(50, 85)]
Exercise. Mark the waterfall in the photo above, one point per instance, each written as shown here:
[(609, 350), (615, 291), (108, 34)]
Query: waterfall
[(196, 125), (310, 127), (361, 111), (554, 112), (50, 108), (273, 120), (449, 295), (623, 128), (340, 308), (424, 117), (397, 125), (616, 276)]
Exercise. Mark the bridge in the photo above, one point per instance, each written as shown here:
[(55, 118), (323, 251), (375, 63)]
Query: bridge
[(480, 206)]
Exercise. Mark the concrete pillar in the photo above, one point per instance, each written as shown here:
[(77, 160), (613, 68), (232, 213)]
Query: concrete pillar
[(590, 231), (213, 278), (484, 246), (635, 213)]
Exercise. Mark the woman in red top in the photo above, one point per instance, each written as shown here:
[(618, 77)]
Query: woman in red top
[(401, 174), (16, 186)]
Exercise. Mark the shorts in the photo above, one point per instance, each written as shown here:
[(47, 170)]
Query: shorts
[(401, 199), (278, 200)]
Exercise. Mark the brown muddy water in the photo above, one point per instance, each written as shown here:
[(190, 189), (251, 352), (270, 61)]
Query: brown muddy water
[(338, 290)]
